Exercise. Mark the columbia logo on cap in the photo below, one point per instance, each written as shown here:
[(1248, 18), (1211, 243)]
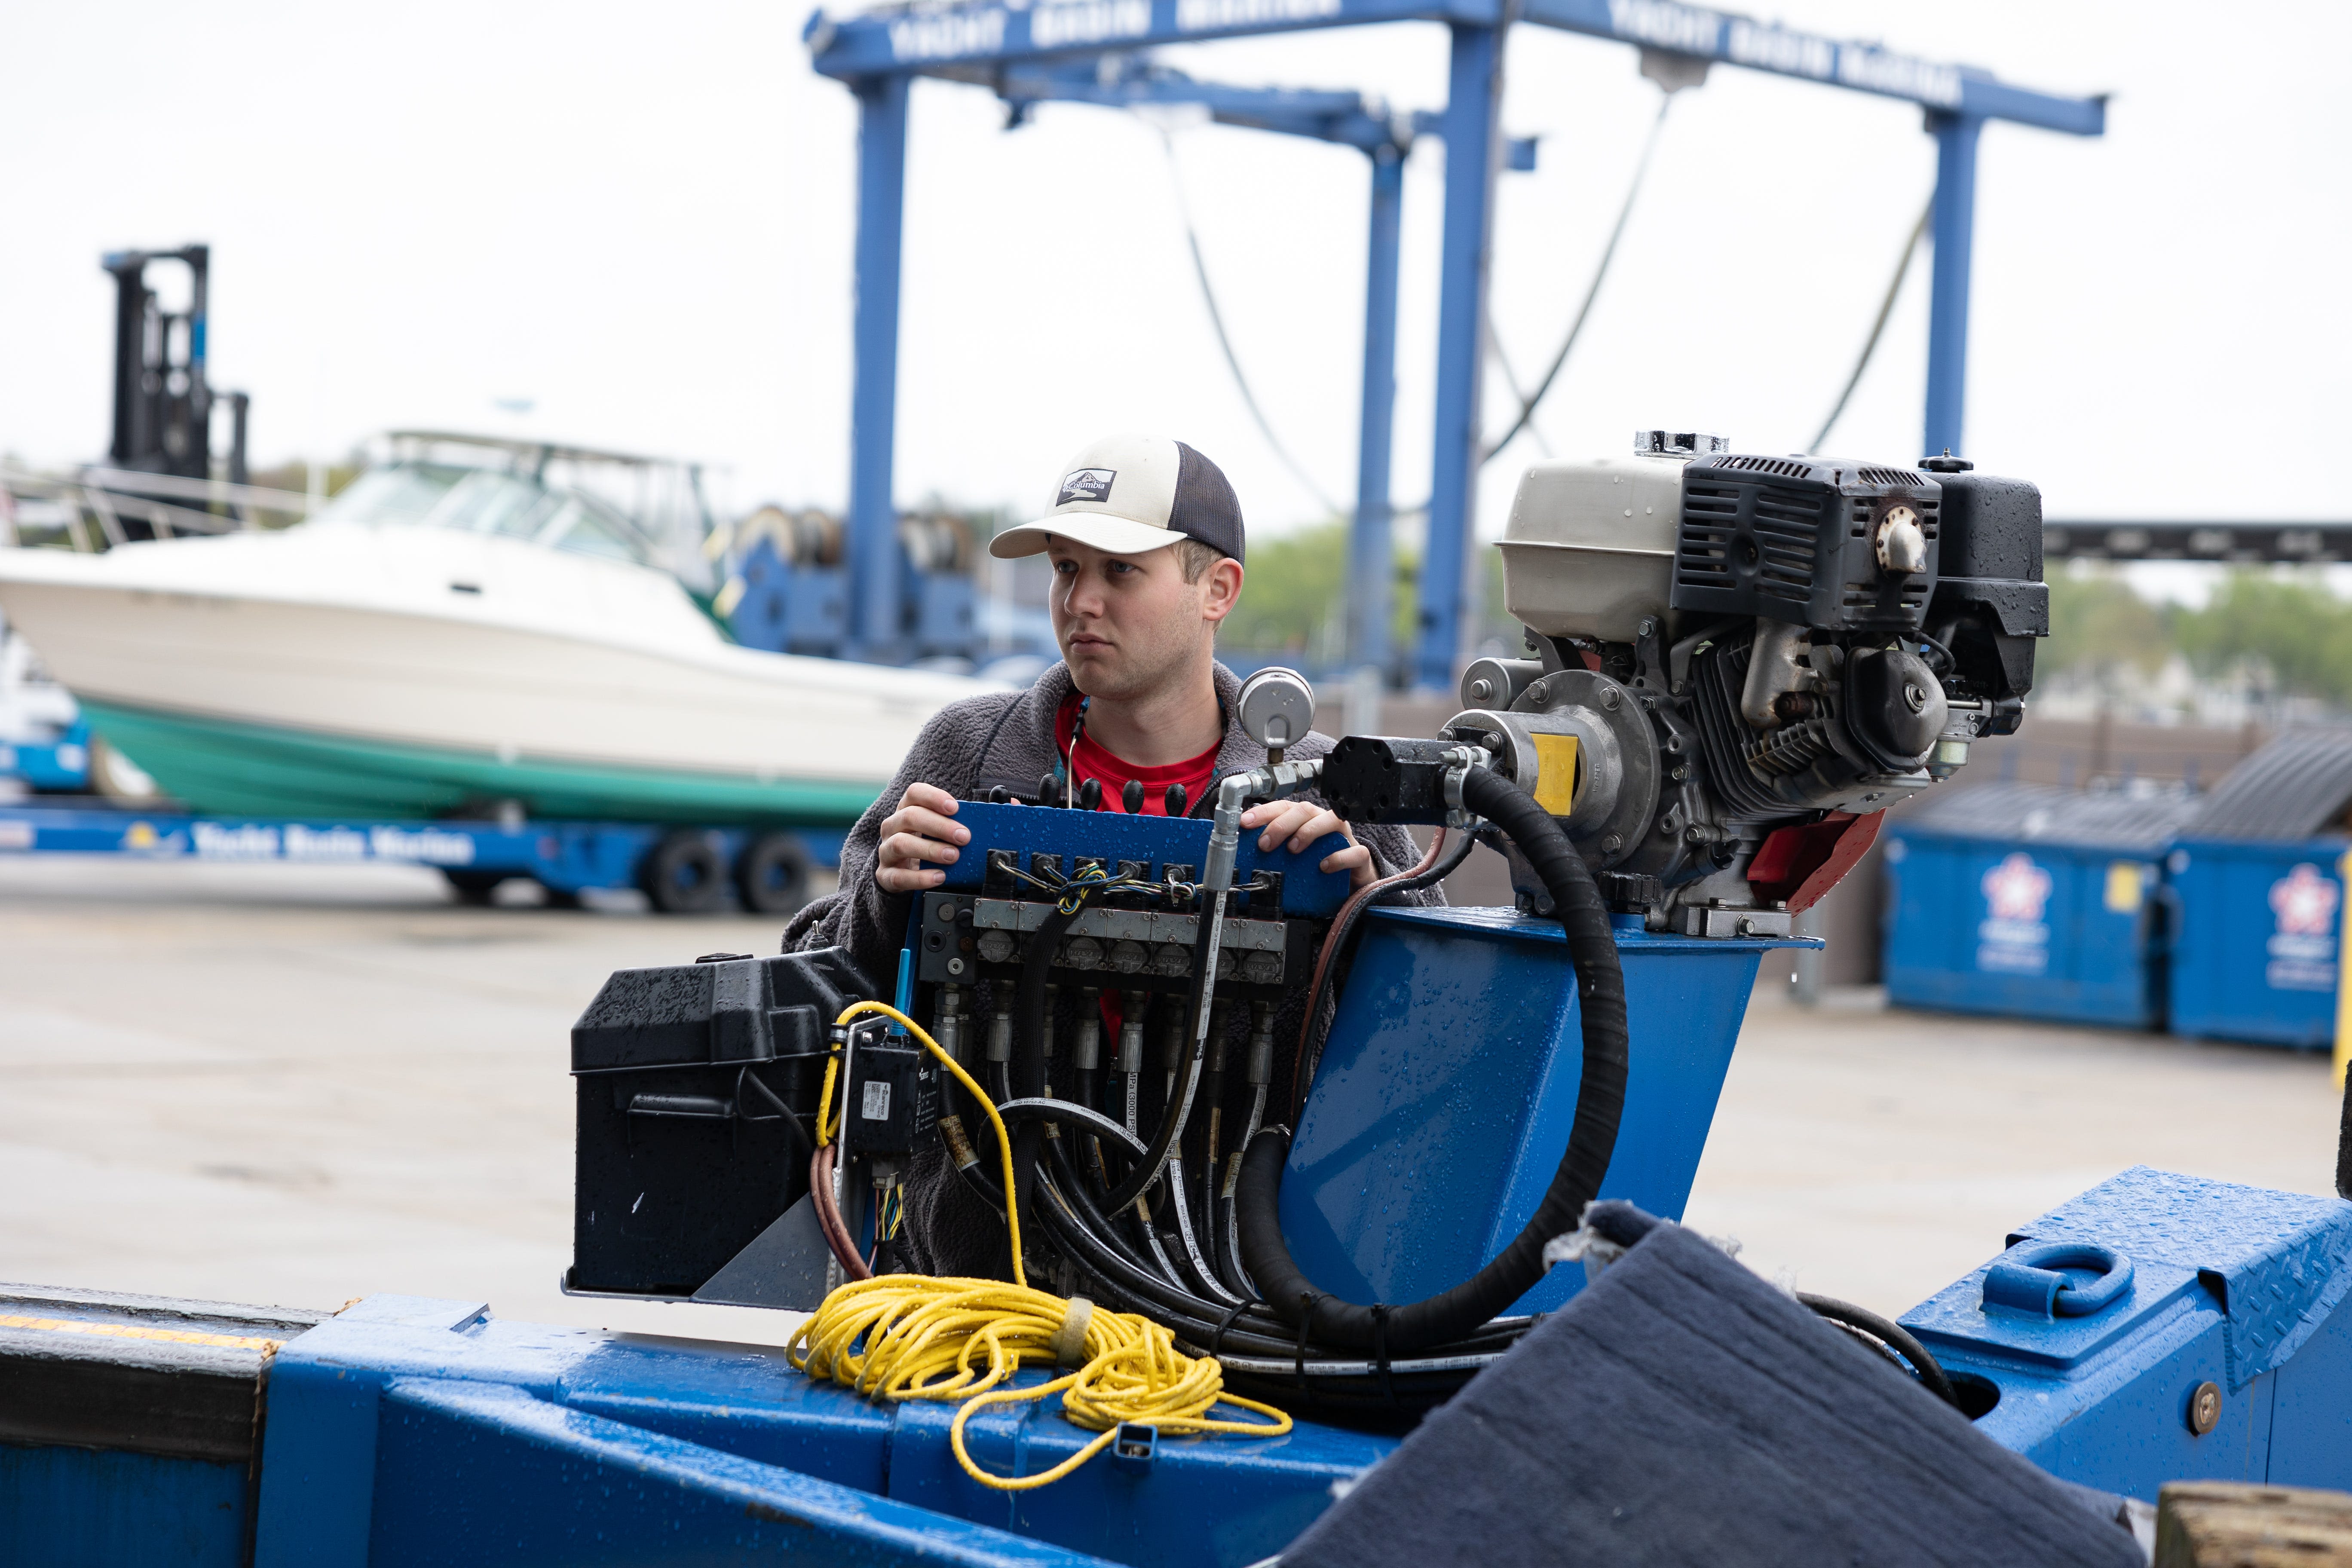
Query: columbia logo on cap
[(1086, 484)]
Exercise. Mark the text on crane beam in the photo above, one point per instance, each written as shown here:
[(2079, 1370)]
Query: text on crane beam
[(1712, 34)]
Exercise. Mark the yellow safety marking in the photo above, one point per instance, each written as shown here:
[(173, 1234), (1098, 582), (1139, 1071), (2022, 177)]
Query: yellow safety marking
[(2123, 887), (132, 1331), (2343, 991), (1556, 767)]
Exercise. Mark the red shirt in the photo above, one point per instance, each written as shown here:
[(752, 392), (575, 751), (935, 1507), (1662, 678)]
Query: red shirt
[(1091, 761)]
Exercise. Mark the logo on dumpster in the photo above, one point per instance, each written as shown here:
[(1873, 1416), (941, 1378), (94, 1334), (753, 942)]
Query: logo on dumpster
[(2013, 939), (2302, 940)]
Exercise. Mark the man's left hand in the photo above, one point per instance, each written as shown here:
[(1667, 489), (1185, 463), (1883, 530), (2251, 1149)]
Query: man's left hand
[(1302, 824)]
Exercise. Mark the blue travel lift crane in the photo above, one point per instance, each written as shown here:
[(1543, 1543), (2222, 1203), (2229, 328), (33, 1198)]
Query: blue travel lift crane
[(878, 53)]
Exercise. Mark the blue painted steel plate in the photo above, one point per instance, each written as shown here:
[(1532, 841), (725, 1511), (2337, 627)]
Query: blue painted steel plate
[(1449, 1081)]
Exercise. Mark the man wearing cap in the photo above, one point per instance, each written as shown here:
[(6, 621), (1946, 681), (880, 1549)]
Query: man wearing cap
[(1146, 539)]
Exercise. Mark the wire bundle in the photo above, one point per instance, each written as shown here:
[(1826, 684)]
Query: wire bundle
[(913, 1337), (916, 1337)]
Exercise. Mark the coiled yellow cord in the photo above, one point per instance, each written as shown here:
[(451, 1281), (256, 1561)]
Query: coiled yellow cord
[(906, 1336)]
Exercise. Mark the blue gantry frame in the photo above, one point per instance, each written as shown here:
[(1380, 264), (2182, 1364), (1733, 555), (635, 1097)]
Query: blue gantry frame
[(879, 52)]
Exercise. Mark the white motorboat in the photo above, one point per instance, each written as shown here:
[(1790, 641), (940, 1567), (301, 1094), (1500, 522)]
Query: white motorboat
[(469, 625)]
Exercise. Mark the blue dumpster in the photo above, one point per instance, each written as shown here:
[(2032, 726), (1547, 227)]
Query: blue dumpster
[(2031, 902), (2259, 877)]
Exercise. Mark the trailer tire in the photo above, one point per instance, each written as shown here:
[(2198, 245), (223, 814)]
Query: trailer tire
[(771, 875), (473, 888), (684, 874)]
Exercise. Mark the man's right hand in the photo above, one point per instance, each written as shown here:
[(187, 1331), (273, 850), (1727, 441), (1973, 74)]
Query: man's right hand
[(919, 830)]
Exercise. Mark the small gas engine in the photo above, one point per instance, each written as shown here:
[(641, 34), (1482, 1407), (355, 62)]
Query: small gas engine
[(1739, 662)]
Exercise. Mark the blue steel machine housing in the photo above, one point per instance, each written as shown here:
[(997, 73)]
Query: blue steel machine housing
[(1450, 1078), (2232, 1293)]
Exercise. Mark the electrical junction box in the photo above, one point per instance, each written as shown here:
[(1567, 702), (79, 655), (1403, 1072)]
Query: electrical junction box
[(894, 1097)]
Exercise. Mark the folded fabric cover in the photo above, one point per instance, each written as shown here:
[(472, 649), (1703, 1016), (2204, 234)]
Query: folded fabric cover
[(1681, 1410)]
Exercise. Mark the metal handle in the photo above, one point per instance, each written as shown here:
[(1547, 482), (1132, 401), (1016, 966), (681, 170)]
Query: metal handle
[(2029, 1278)]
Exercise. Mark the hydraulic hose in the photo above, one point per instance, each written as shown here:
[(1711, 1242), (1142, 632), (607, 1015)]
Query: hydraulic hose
[(1146, 1169), (1891, 1334), (1029, 1024), (1592, 1137)]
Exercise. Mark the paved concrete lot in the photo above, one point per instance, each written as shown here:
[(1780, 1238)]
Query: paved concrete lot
[(299, 1085)]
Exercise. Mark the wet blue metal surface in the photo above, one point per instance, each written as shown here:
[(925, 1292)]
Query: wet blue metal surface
[(416, 1430), (2237, 1285), (2256, 952), (1449, 1081), (112, 1510)]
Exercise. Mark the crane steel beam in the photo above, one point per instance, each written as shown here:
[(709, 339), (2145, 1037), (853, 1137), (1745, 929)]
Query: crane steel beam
[(2225, 542), (900, 38), (976, 40)]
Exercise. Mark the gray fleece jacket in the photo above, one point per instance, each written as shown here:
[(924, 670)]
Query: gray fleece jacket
[(967, 748)]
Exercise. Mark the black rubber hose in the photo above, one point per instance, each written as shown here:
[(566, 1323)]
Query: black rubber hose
[(1591, 1140), (1173, 1115), (1893, 1336), (1028, 1075)]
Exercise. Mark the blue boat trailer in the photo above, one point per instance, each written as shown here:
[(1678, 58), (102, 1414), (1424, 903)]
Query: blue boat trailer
[(680, 869)]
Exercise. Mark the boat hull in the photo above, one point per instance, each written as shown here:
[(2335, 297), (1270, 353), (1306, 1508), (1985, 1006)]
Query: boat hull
[(254, 770), (254, 691)]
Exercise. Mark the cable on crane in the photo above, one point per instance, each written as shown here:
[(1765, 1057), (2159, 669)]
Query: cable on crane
[(1600, 275), (1885, 308), (1224, 342)]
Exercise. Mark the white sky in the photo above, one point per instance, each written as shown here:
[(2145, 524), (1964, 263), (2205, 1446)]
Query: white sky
[(640, 218)]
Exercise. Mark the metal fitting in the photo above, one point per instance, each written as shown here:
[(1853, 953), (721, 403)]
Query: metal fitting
[(1000, 1036), (1459, 761), (1086, 1053), (1130, 1030), (1260, 1068)]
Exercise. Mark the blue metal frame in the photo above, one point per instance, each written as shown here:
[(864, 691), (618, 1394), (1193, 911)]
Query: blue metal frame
[(1371, 550), (873, 397), (564, 857), (1954, 227), (872, 52)]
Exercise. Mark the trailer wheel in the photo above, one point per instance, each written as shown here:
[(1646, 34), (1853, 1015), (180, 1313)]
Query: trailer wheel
[(683, 875), (474, 888), (771, 875)]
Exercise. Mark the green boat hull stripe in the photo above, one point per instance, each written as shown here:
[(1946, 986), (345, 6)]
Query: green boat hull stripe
[(223, 766)]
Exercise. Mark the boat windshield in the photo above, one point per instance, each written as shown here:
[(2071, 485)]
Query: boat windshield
[(482, 501)]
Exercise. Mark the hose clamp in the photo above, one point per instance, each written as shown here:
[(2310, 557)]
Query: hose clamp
[(1459, 761)]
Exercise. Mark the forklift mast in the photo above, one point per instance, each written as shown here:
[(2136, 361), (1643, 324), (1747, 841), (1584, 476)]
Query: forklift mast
[(163, 404)]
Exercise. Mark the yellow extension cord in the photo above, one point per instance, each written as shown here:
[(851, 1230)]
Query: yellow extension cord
[(923, 1337)]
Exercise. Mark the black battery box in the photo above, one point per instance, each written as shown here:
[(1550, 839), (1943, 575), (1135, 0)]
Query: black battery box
[(695, 1088)]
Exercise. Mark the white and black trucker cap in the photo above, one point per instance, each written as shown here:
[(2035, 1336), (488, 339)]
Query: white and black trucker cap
[(1129, 494)]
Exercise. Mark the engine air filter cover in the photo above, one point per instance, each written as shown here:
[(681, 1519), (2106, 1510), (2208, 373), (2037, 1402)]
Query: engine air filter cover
[(1806, 539)]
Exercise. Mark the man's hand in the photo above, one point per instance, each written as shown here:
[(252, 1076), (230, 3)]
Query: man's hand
[(918, 831), (1302, 825)]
